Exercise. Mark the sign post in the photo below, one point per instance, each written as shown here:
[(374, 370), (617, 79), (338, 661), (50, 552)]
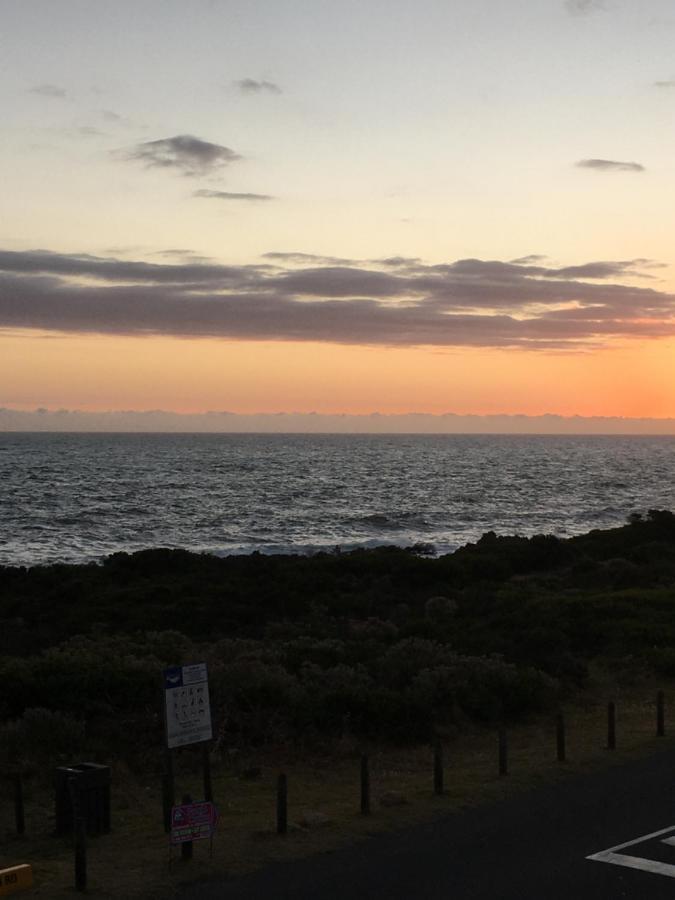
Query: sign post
[(187, 718)]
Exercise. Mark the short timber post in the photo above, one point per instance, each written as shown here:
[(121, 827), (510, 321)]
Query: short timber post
[(282, 804), (19, 817), (503, 752), (168, 790), (186, 847), (611, 725), (365, 786), (208, 785), (438, 767), (560, 737)]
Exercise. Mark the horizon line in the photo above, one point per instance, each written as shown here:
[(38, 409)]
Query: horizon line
[(157, 421)]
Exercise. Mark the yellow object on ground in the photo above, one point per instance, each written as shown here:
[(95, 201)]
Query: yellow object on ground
[(18, 878)]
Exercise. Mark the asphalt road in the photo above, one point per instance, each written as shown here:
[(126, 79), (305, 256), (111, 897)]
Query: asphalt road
[(531, 847)]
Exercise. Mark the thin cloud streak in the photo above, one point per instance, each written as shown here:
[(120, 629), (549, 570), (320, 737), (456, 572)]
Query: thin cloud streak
[(251, 86), (229, 195), (53, 91), (609, 165), (583, 7), (470, 302), (302, 259)]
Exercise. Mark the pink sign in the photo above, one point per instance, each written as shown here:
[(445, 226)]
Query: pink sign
[(193, 822)]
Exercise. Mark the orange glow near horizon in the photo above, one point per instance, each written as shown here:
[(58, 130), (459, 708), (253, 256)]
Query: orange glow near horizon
[(95, 373)]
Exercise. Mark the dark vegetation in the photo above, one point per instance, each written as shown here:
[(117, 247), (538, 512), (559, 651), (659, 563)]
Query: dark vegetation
[(383, 644)]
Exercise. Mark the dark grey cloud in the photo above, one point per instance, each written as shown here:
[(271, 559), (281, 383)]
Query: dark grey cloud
[(252, 86), (469, 302), (665, 84), (229, 195), (583, 7), (184, 152), (609, 165), (48, 90), (119, 271)]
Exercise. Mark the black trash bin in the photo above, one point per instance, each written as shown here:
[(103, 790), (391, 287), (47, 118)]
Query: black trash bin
[(92, 791)]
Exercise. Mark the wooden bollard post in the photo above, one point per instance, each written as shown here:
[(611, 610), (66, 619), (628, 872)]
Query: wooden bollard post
[(168, 790), (80, 853), (208, 785), (438, 767), (186, 847), (19, 817), (660, 714), (80, 837), (503, 752), (365, 786), (611, 725), (282, 804), (560, 737)]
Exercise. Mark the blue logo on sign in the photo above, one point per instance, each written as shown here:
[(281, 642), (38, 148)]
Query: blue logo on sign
[(173, 677)]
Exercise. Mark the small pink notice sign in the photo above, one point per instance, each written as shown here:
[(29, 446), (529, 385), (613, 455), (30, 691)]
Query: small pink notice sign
[(193, 822)]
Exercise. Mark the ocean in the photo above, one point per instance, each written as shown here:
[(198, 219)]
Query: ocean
[(80, 497)]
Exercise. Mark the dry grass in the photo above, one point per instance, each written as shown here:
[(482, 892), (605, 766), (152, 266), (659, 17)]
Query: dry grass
[(132, 862)]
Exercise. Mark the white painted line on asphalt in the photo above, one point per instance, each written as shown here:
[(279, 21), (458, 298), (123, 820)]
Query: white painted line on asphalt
[(614, 858)]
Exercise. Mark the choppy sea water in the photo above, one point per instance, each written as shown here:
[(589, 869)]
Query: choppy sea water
[(78, 497)]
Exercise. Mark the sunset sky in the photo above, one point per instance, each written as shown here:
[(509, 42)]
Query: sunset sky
[(374, 205)]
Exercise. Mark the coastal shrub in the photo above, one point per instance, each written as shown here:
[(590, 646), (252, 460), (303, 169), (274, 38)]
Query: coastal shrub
[(402, 662), (387, 640), (323, 653), (41, 736), (330, 695), (662, 660), (17, 676), (401, 716), (230, 650), (440, 610), (252, 700), (80, 678), (492, 689)]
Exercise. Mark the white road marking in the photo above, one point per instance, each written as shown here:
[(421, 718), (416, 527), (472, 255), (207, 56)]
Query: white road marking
[(637, 862)]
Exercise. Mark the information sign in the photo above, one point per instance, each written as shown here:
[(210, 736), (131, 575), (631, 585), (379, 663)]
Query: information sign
[(188, 712), (193, 822)]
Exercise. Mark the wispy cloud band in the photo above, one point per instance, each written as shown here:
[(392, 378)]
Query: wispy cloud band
[(468, 302)]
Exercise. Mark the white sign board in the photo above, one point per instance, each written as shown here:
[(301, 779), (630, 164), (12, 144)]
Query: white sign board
[(188, 712)]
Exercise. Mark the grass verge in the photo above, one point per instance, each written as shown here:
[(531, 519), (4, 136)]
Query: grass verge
[(133, 861)]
